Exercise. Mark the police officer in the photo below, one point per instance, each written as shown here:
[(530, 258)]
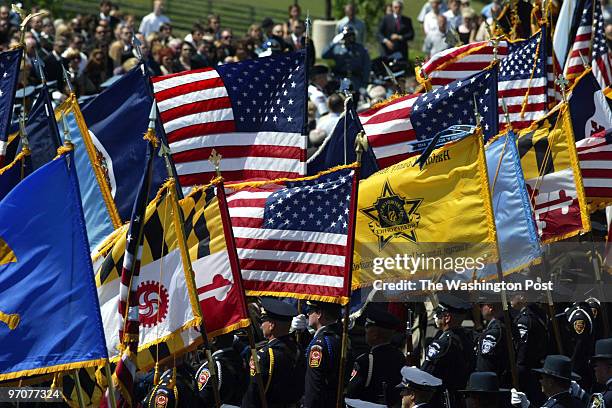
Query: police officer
[(417, 388), (316, 89), (581, 325), (531, 343), (376, 373), (281, 360), (322, 355), (491, 349), (450, 356), (351, 58), (232, 375), (175, 389), (483, 391), (602, 366), (555, 378)]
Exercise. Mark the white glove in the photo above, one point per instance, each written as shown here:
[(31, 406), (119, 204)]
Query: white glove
[(337, 38), (576, 390), (299, 323), (519, 399)]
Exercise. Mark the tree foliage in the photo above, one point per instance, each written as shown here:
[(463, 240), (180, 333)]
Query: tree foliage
[(370, 11)]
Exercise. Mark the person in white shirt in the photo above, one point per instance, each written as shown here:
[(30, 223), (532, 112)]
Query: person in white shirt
[(435, 41), (430, 22), (327, 123), (76, 46), (318, 81), (152, 21), (350, 19), (453, 15)]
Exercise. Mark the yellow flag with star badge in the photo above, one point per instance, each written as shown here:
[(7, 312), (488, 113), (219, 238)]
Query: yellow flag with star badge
[(414, 223)]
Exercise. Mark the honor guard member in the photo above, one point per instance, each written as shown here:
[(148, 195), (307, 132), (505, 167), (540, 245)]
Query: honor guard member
[(483, 391), (322, 355), (491, 349), (555, 378), (531, 343), (581, 325), (175, 389), (602, 365), (351, 59), (376, 373), (450, 356), (316, 89), (280, 360), (417, 388), (232, 375)]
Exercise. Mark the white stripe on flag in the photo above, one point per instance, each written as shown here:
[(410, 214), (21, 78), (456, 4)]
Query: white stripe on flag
[(291, 277)]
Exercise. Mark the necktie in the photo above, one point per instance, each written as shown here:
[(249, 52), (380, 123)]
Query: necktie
[(397, 24)]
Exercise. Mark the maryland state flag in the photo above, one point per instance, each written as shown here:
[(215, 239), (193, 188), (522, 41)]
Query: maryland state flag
[(550, 166), (435, 216), (168, 302), (211, 248)]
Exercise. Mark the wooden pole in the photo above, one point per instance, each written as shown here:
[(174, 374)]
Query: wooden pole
[(600, 287), (255, 358), (77, 382), (508, 330), (111, 386)]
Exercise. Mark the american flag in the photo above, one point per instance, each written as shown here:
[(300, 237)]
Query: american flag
[(125, 372), (395, 130), (9, 77), (595, 158), (522, 81), (590, 42), (461, 62), (252, 112), (294, 237)]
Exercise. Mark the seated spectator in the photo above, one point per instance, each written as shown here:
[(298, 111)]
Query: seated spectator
[(453, 15), (76, 45), (468, 29), (154, 20), (165, 33), (195, 36), (436, 41), (225, 47), (121, 49), (214, 26), (267, 24), (350, 19), (277, 34), (166, 58), (184, 60), (295, 13)]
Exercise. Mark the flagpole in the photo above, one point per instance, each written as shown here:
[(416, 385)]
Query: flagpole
[(551, 307), (77, 381), (215, 159), (189, 274), (498, 267), (111, 386), (360, 147), (600, 286)]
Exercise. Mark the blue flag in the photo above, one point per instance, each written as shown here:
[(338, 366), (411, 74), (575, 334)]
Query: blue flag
[(517, 234), (101, 215), (14, 172), (331, 152), (589, 108), (49, 311), (10, 62), (117, 120), (41, 129)]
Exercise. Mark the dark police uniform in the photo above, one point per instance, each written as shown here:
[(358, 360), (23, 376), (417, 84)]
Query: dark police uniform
[(581, 326), (491, 350), (531, 344), (281, 362), (231, 374), (181, 394), (603, 351), (322, 367), (376, 373), (563, 400), (560, 368)]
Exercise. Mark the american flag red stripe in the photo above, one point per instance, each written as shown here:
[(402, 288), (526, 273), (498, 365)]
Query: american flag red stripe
[(595, 157), (292, 236), (461, 62), (388, 129), (251, 113)]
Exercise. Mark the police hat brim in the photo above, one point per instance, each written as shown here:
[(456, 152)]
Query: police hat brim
[(543, 371)]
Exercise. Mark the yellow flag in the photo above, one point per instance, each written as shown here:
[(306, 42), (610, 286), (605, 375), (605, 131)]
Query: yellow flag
[(552, 174), (419, 223)]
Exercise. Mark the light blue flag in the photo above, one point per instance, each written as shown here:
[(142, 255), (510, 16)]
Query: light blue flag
[(99, 209), (49, 311), (517, 236)]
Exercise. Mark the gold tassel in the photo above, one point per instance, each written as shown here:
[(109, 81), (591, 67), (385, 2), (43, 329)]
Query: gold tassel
[(156, 375), (150, 136)]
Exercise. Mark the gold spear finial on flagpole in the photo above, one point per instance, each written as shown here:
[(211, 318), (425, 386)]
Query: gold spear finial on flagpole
[(215, 159), (562, 83)]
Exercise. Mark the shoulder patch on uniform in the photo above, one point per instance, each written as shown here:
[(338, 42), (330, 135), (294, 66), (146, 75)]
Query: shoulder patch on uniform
[(597, 401), (161, 400), (523, 330), (316, 356), (355, 371), (433, 350), (203, 378), (579, 326), (488, 344)]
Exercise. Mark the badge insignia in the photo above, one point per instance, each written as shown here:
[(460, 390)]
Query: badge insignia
[(487, 346), (393, 216), (579, 326), (203, 378), (597, 401), (161, 400), (252, 367), (315, 357), (433, 351)]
